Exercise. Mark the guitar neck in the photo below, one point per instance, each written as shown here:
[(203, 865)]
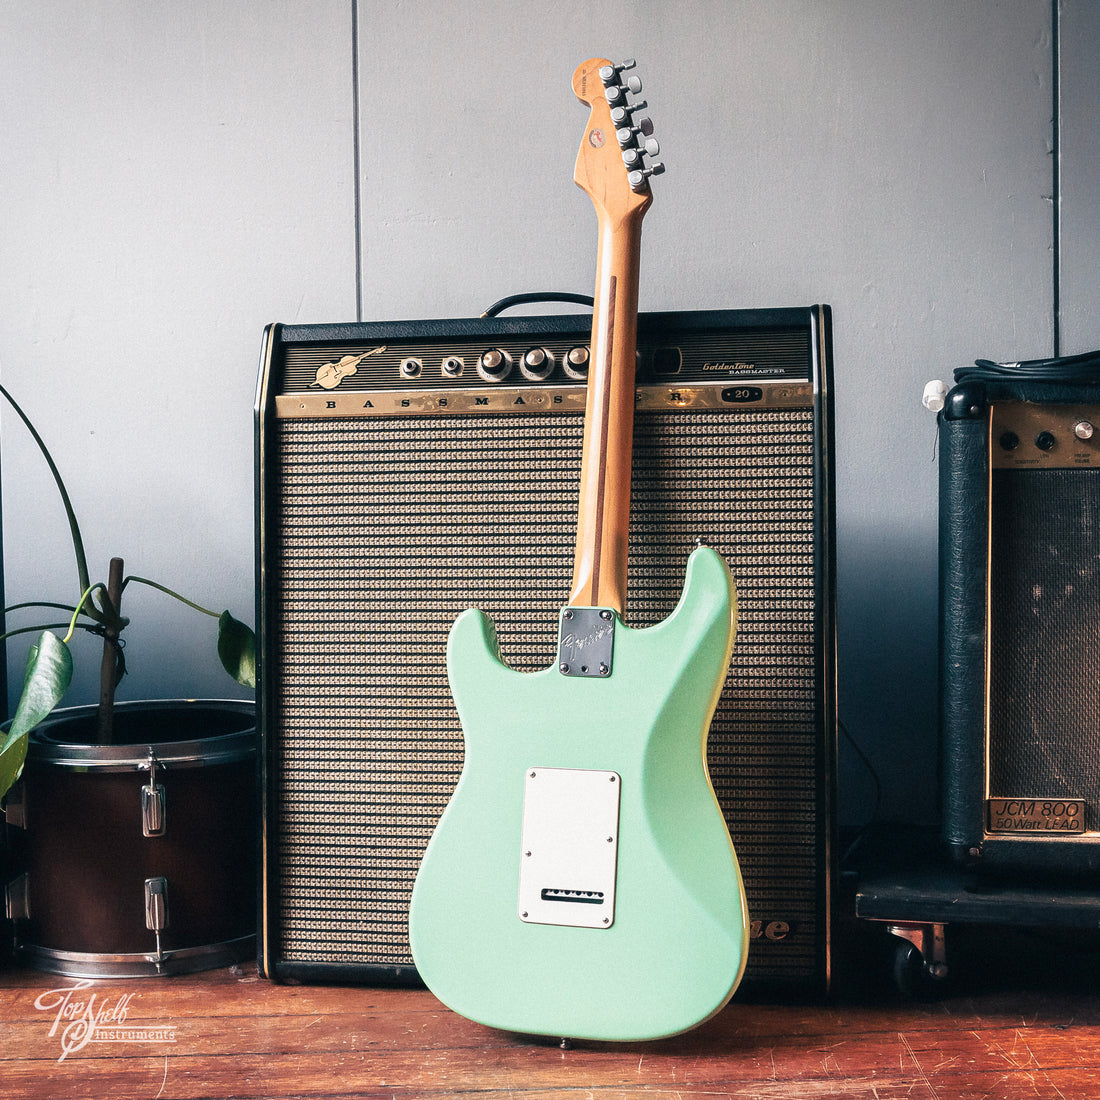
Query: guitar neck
[(613, 139), (600, 563)]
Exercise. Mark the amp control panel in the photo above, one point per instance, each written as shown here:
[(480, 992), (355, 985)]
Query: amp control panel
[(1023, 435), (700, 359)]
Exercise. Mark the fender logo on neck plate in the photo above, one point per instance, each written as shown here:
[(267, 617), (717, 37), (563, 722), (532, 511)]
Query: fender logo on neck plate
[(586, 640)]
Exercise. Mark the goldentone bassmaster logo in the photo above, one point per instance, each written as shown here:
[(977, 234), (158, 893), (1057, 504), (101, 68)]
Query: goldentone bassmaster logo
[(330, 375)]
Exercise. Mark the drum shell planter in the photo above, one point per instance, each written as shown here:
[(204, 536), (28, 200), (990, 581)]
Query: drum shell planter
[(101, 897)]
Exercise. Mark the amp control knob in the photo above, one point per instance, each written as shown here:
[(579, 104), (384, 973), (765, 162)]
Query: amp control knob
[(576, 362), (1084, 429), (495, 365), (537, 364)]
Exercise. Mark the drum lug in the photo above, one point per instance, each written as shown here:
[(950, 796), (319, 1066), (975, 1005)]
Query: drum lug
[(17, 898), (15, 807), (156, 914), (156, 903), (154, 809)]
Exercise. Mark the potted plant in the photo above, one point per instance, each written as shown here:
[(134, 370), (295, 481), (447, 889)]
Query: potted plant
[(133, 821)]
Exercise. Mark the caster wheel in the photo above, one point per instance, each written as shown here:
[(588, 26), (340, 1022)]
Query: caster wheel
[(913, 978)]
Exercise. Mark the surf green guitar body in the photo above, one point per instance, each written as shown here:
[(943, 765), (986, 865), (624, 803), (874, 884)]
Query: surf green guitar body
[(581, 882)]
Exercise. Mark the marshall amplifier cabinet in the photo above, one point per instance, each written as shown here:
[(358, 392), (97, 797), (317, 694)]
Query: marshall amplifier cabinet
[(410, 470), (1020, 649)]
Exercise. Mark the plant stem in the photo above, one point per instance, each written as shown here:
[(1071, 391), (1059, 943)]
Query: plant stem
[(108, 667), (174, 595), (37, 629), (38, 603)]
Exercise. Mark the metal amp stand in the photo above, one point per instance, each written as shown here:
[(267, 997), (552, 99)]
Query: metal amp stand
[(916, 893)]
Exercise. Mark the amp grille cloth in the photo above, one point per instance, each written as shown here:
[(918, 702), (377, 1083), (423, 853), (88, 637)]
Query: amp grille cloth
[(385, 530), (1044, 736)]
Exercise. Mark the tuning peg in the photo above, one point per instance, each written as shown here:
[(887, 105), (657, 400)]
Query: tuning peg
[(632, 154), (617, 93), (609, 73), (627, 134), (637, 178), (620, 116)]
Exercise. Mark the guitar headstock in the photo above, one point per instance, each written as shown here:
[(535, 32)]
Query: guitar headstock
[(615, 159)]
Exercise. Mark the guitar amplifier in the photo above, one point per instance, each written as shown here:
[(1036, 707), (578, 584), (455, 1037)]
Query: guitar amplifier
[(1020, 656), (404, 475)]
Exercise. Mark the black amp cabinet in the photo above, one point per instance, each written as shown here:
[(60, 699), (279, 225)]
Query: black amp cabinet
[(404, 476), (1020, 648)]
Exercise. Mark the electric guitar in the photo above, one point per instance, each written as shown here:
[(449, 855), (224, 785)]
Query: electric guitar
[(581, 882)]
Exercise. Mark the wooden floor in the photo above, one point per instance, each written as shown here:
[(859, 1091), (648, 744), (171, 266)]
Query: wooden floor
[(1023, 1023)]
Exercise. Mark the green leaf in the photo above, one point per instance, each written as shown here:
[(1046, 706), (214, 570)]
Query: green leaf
[(74, 527), (237, 649), (47, 678)]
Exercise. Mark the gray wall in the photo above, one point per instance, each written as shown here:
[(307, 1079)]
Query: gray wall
[(175, 175)]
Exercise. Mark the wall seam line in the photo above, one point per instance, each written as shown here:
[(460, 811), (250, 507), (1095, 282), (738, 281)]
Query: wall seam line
[(357, 196), (1056, 175)]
